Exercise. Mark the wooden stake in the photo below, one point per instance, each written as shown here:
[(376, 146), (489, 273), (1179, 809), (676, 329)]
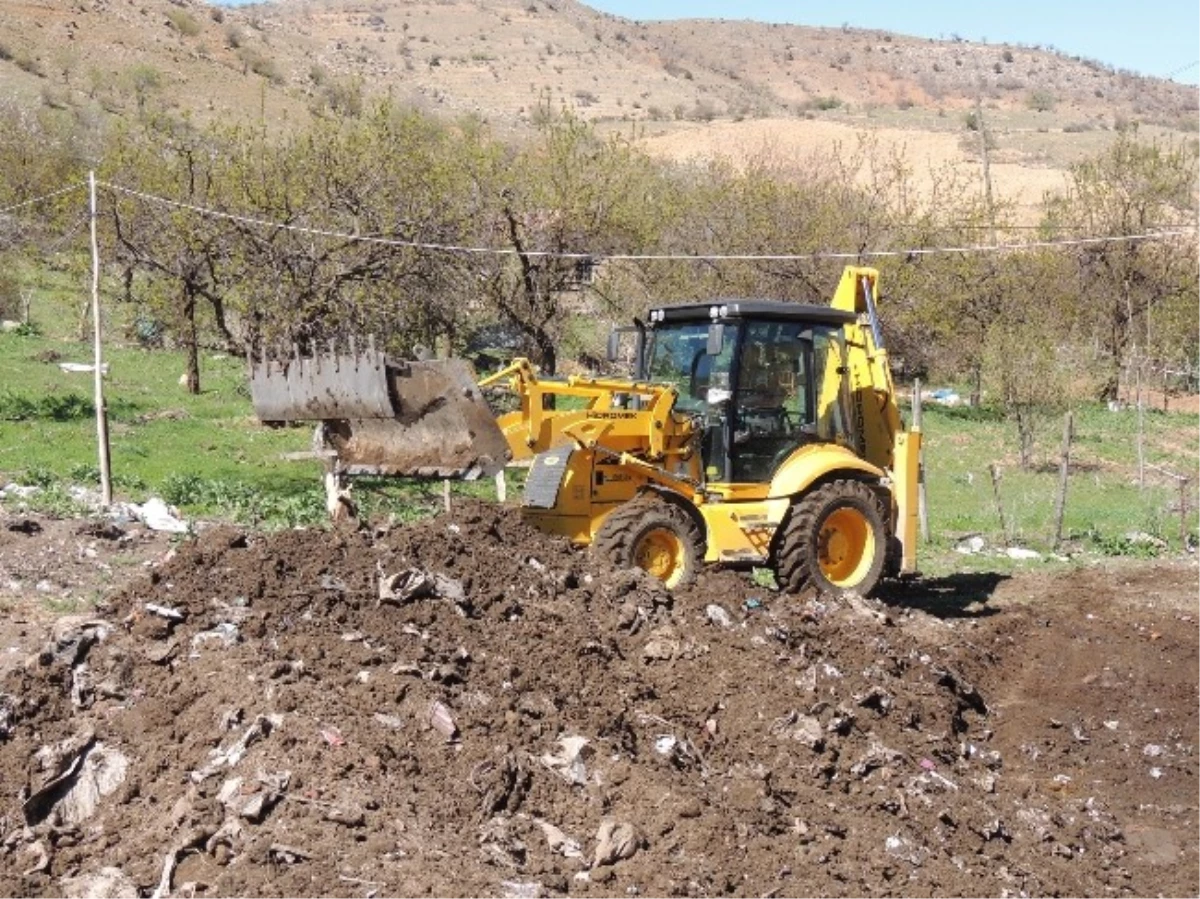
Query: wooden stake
[(922, 503), (1184, 483), (501, 487), (995, 472), (1141, 430), (446, 494), (1060, 503), (101, 409)]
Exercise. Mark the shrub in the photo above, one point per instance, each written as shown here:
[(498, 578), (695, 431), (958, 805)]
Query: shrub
[(703, 111), (27, 63), (56, 407), (38, 476), (55, 97), (182, 22), (260, 64), (1040, 100), (182, 489), (344, 97)]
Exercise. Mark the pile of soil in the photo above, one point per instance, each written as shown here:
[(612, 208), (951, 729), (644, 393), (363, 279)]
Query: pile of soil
[(468, 707)]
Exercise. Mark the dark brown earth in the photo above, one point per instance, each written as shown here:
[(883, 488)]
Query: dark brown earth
[(294, 735)]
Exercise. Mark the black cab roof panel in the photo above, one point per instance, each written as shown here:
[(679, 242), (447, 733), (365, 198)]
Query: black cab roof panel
[(737, 309)]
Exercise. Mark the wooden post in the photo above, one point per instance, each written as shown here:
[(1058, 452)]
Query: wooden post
[(501, 487), (1184, 483), (922, 503), (446, 494), (97, 359), (994, 469), (1060, 503), (1141, 429)]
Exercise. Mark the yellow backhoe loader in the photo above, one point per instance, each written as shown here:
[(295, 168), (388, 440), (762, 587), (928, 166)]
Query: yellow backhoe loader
[(754, 433)]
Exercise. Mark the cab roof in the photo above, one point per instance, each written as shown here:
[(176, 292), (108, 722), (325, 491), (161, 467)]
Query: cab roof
[(726, 310)]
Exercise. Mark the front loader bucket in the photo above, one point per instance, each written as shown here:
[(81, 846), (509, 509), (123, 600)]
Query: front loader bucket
[(386, 417), (328, 386)]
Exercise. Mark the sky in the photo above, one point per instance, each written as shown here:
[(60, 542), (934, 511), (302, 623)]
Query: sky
[(1152, 37)]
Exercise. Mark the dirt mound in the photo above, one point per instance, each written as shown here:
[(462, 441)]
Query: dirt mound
[(468, 707)]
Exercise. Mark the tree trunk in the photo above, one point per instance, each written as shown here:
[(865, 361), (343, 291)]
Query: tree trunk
[(232, 345), (190, 341), (547, 353)]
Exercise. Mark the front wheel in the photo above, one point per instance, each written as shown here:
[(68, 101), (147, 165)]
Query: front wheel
[(655, 536), (834, 540)]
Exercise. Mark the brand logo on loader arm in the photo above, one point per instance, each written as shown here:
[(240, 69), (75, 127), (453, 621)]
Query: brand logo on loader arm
[(860, 415)]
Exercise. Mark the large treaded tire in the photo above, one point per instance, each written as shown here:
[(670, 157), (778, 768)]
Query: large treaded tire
[(834, 540), (654, 535)]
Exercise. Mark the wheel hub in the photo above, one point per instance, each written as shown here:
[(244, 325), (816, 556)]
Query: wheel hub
[(846, 545), (661, 554)]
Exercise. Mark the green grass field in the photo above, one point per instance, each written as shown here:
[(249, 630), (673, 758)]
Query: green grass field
[(210, 456)]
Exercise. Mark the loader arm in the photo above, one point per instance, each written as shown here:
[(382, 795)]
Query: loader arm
[(653, 431), (884, 439)]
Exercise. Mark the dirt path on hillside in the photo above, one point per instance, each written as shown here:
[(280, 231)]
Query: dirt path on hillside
[(467, 707)]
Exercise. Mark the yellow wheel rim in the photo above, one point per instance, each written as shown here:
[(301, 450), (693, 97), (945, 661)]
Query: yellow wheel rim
[(661, 553), (846, 547)]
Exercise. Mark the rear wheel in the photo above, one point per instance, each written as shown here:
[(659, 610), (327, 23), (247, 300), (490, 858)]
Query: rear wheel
[(834, 540), (655, 536)]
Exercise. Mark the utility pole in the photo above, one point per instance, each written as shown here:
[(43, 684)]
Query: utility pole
[(989, 203), (98, 363)]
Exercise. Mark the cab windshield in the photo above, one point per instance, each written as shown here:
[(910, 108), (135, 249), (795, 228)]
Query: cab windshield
[(677, 354), (775, 386)]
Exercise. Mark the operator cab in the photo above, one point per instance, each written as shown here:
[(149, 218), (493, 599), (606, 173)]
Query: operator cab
[(764, 377)]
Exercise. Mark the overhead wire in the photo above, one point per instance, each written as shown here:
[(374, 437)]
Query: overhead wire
[(651, 257), (1182, 69), (44, 198), (71, 231)]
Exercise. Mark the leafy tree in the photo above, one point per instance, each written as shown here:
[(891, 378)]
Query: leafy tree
[(186, 254), (1035, 360), (568, 192), (360, 201), (1134, 188)]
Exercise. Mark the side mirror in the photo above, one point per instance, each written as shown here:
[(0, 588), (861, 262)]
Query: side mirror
[(716, 339)]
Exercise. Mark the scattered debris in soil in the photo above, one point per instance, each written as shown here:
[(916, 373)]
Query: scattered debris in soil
[(465, 706)]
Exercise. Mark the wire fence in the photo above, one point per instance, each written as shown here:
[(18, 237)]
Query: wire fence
[(1152, 381)]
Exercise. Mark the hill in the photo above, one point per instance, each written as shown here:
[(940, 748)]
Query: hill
[(688, 87)]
